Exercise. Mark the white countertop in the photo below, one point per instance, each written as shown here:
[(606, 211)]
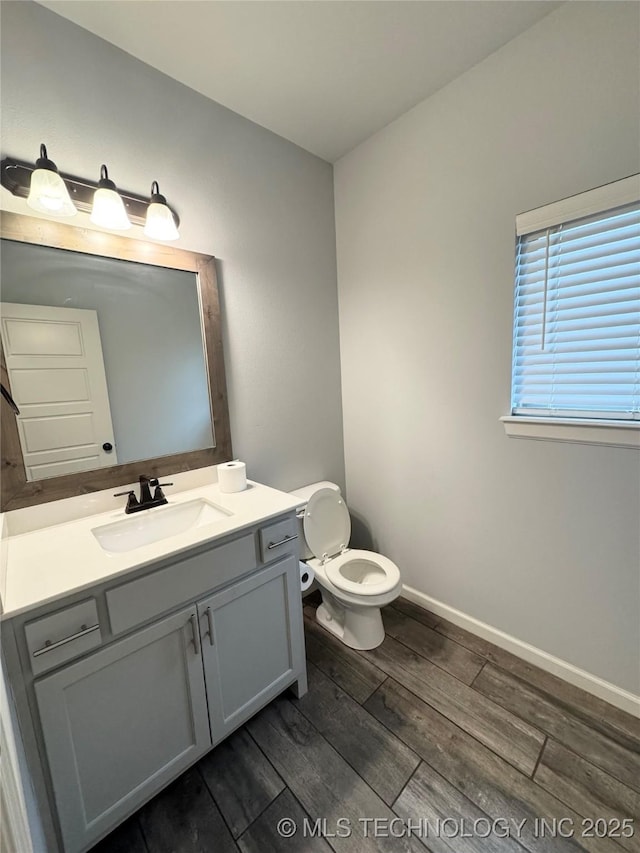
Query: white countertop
[(47, 564)]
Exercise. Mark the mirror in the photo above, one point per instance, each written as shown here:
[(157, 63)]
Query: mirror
[(100, 352), (112, 351)]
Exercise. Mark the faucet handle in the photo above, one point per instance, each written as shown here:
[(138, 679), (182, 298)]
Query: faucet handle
[(158, 494), (132, 500)]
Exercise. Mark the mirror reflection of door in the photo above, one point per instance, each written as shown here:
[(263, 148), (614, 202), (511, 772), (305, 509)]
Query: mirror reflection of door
[(56, 369)]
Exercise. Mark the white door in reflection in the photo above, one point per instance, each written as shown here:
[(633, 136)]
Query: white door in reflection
[(56, 370)]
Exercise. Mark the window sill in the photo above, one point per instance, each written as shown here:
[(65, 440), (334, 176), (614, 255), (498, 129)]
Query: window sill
[(612, 433)]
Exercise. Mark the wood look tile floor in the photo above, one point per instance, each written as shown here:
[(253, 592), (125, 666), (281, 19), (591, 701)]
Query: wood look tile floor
[(453, 744)]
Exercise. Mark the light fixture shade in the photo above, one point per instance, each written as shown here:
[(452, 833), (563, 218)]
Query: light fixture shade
[(160, 224), (108, 209), (48, 192)]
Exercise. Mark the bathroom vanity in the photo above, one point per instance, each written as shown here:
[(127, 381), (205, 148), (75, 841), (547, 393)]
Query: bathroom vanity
[(128, 661), (131, 644)]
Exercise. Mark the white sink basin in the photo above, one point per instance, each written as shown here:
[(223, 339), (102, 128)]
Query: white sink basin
[(153, 525)]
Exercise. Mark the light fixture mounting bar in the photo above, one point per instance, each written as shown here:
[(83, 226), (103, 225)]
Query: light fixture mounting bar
[(16, 177)]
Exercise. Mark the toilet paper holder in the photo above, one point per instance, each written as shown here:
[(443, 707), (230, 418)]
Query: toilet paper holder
[(307, 576)]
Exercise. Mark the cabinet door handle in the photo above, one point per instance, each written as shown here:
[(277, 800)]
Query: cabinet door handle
[(284, 541), (49, 646), (195, 628), (210, 624)]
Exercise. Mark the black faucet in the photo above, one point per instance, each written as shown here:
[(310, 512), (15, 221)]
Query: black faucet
[(147, 501), (145, 491)]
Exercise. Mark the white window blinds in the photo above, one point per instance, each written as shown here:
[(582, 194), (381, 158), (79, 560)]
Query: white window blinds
[(576, 350)]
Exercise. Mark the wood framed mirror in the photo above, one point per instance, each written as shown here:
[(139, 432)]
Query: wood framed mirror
[(29, 466)]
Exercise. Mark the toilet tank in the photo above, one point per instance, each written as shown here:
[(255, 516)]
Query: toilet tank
[(304, 494)]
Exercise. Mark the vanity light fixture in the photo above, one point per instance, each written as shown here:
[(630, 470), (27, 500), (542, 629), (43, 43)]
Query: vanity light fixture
[(47, 191), (160, 224), (108, 208), (22, 180)]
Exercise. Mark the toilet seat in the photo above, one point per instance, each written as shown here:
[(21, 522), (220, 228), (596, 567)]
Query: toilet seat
[(363, 573), (327, 530)]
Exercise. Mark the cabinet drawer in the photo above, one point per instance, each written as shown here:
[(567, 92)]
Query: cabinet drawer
[(138, 601), (63, 635), (278, 539)]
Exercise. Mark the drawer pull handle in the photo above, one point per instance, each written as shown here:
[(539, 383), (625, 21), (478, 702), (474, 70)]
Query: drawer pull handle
[(210, 623), (284, 541), (195, 628), (49, 646)]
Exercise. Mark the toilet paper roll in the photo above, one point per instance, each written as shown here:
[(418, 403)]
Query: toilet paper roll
[(232, 476), (306, 576)]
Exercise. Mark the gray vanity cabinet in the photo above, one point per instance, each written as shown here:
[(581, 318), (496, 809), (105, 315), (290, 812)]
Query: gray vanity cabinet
[(123, 686), (132, 716), (251, 644)]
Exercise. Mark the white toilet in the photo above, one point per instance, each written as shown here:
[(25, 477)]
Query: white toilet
[(354, 584)]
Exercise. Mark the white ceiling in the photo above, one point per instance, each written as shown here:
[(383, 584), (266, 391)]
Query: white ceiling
[(325, 74)]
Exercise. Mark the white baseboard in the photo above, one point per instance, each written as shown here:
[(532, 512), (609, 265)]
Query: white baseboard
[(628, 702)]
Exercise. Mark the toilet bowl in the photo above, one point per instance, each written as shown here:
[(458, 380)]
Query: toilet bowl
[(354, 584)]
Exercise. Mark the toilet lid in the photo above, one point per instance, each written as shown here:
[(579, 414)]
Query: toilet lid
[(327, 526)]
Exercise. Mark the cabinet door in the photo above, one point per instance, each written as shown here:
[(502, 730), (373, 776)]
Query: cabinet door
[(251, 644), (121, 723)]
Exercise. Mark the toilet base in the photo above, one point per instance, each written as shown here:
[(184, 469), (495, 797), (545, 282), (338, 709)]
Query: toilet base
[(357, 627)]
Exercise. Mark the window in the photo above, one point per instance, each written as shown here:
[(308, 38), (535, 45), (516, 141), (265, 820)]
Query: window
[(576, 341)]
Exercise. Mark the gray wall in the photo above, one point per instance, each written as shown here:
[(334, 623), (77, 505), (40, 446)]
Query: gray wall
[(149, 320), (539, 539), (261, 205)]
